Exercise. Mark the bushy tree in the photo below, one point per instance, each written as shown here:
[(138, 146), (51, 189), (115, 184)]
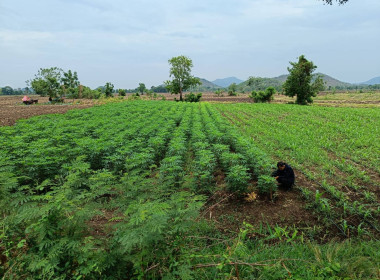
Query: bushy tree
[(70, 83), (181, 72), (89, 93), (54, 82), (6, 90), (232, 89), (47, 82), (191, 97), (122, 92), (263, 96), (141, 88), (108, 89), (299, 82)]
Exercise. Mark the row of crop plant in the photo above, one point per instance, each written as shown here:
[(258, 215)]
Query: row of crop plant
[(204, 159), (172, 166), (232, 163), (257, 161), (306, 138)]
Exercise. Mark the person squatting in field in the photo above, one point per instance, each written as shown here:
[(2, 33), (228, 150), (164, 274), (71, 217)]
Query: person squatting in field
[(284, 176)]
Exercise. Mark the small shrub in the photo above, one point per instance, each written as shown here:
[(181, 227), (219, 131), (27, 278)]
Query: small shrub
[(219, 93), (191, 97), (122, 92), (232, 89), (232, 93), (263, 96), (266, 185), (237, 179)]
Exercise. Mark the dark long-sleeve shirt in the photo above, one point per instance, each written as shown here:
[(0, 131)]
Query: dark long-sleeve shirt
[(285, 176)]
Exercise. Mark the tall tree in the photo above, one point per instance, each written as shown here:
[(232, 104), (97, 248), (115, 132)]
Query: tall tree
[(299, 82), (70, 83), (108, 89), (232, 89), (141, 88), (7, 90), (47, 82), (182, 80)]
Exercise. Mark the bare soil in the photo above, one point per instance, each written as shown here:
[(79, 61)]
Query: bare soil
[(323, 99), (12, 108)]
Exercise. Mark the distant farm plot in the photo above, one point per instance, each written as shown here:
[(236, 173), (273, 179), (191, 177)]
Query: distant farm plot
[(12, 108)]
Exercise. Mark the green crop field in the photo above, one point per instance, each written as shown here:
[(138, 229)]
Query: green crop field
[(169, 190)]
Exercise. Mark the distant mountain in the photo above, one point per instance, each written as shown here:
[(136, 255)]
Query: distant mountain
[(205, 86), (227, 81), (373, 81), (276, 82), (259, 83), (330, 81)]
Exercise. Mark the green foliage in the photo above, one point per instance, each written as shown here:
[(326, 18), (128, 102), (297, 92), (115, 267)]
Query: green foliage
[(110, 192), (86, 92), (159, 89), (191, 97), (141, 88), (232, 89), (263, 96), (122, 92), (108, 89), (299, 83), (70, 84), (238, 179), (266, 185), (6, 90), (347, 152), (257, 84), (55, 83), (219, 92), (47, 82), (180, 70)]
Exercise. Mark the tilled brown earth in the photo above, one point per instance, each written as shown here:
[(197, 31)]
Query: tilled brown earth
[(12, 108)]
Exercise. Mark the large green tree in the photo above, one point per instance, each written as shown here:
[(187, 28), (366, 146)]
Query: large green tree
[(7, 90), (141, 88), (108, 89), (182, 80), (299, 82), (47, 82), (70, 83), (232, 89)]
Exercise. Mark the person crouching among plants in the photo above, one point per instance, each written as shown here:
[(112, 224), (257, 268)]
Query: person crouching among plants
[(284, 176)]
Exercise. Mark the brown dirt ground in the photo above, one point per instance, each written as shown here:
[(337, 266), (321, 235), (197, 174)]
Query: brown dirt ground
[(319, 100), (288, 208), (12, 108)]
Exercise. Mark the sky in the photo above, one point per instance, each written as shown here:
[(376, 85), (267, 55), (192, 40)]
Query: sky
[(130, 42)]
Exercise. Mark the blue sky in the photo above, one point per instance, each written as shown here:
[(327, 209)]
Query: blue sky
[(128, 42)]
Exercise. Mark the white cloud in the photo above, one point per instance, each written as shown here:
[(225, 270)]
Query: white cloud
[(130, 41)]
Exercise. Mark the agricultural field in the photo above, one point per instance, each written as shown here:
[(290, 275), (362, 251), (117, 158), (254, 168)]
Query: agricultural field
[(335, 152), (154, 189), (12, 109)]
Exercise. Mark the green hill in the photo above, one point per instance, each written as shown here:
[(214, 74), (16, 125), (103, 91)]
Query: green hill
[(259, 83), (206, 86)]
